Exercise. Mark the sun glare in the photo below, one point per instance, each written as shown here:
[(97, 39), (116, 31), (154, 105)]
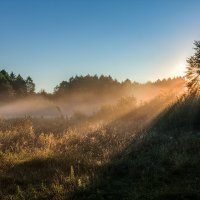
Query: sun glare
[(180, 69)]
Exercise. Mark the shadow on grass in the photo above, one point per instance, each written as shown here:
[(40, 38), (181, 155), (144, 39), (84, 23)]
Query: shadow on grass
[(161, 163)]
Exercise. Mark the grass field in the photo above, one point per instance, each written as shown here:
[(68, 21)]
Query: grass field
[(151, 151)]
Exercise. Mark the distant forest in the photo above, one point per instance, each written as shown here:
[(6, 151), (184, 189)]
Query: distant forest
[(15, 86), (12, 86)]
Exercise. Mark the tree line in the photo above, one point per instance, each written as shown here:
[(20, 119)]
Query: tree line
[(14, 86), (193, 70), (104, 84)]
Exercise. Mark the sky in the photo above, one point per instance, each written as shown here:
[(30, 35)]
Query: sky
[(52, 40)]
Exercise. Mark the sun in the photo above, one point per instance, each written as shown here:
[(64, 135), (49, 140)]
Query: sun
[(180, 69)]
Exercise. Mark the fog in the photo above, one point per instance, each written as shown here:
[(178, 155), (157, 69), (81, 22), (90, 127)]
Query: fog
[(87, 103)]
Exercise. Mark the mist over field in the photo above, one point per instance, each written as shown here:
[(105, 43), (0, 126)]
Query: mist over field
[(99, 100), (87, 102)]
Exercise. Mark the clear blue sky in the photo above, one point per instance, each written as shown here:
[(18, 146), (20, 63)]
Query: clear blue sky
[(51, 40)]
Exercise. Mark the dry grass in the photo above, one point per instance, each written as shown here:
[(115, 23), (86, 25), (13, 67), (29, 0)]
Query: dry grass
[(56, 158)]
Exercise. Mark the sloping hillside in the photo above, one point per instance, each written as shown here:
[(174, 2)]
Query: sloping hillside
[(162, 162)]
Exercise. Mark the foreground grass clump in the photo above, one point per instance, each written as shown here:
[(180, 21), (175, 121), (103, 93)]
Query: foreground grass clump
[(143, 154)]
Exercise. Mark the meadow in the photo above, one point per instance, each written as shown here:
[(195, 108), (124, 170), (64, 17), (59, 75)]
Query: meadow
[(150, 151)]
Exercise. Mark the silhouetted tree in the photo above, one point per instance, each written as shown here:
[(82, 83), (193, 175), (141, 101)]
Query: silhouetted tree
[(193, 70), (30, 85), (20, 86), (12, 76), (5, 87), (6, 75), (14, 86)]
